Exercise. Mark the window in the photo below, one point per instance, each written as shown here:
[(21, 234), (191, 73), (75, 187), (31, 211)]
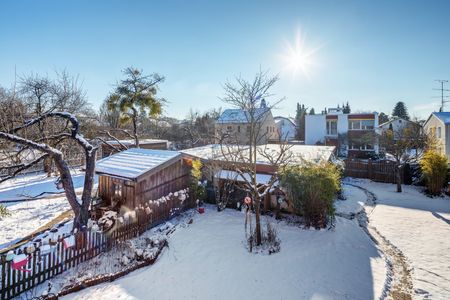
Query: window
[(267, 129), (367, 124), (332, 127), (438, 132), (248, 128), (117, 190), (354, 124), (239, 128), (361, 124), (229, 128)]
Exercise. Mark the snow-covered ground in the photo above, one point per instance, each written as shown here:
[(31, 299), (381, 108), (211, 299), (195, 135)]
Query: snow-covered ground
[(420, 227), (31, 185), (28, 216), (208, 260)]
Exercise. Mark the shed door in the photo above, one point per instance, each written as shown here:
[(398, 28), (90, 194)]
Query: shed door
[(129, 197)]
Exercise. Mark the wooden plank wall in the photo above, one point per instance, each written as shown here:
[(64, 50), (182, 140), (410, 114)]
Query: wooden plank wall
[(155, 185)]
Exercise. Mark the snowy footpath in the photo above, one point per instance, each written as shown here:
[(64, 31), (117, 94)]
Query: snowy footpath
[(419, 226), (208, 260)]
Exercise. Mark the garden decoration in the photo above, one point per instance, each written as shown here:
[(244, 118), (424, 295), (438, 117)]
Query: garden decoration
[(19, 262), (69, 242), (10, 255)]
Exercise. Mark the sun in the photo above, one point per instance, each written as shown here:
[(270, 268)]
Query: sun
[(297, 57)]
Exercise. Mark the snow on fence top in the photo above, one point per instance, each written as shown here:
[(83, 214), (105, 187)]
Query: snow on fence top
[(298, 153), (134, 162)]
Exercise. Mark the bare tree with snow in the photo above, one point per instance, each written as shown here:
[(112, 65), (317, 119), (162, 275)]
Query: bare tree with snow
[(250, 97), (47, 148)]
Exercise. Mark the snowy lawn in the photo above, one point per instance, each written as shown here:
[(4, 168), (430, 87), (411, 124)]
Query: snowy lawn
[(28, 216), (31, 185), (208, 260), (420, 227)]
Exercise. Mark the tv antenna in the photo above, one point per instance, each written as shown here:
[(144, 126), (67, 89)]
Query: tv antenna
[(443, 97)]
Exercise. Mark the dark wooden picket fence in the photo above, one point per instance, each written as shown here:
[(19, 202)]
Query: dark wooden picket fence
[(88, 244), (379, 170)]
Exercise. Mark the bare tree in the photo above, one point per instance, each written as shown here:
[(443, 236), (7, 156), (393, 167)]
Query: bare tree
[(243, 159), (43, 95), (19, 136)]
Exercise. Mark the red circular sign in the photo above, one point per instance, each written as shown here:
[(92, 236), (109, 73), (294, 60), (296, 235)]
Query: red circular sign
[(247, 200)]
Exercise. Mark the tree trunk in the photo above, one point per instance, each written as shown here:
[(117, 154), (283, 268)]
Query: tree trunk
[(257, 221), (48, 166), (136, 139), (66, 179), (399, 178), (83, 217)]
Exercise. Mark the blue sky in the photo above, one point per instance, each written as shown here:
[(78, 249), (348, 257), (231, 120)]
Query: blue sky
[(370, 53)]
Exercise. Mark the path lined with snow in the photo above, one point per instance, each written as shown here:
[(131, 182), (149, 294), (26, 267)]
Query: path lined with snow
[(420, 227)]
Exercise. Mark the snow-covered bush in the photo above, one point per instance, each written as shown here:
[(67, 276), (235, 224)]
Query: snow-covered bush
[(312, 189), (270, 242), (4, 212), (198, 190), (434, 169)]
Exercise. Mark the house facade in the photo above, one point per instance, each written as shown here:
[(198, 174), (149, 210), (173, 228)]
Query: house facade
[(286, 128), (354, 134), (437, 125), (235, 125), (396, 124)]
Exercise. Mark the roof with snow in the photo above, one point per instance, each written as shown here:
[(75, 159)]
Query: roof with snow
[(278, 119), (234, 176), (298, 153), (134, 162), (443, 116), (141, 142), (240, 115)]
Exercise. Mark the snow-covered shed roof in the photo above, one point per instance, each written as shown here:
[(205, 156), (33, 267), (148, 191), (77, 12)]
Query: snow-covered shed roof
[(234, 176), (134, 162), (298, 153), (240, 116), (141, 142)]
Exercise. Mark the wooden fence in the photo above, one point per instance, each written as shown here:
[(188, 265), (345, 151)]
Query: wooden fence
[(88, 244), (380, 170)]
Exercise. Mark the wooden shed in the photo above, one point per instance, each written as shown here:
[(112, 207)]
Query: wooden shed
[(133, 176)]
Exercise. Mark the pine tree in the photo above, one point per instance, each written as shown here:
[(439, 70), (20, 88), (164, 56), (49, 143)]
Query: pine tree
[(311, 111), (346, 109), (300, 121), (400, 111)]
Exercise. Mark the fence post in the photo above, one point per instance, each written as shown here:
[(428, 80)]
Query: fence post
[(370, 169)]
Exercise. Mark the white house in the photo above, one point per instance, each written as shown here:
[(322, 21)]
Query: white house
[(396, 124), (286, 128), (354, 134), (438, 125)]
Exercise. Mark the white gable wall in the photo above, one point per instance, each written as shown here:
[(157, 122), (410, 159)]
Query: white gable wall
[(315, 129)]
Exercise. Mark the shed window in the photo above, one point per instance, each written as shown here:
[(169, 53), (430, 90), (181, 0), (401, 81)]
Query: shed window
[(117, 190), (438, 133)]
